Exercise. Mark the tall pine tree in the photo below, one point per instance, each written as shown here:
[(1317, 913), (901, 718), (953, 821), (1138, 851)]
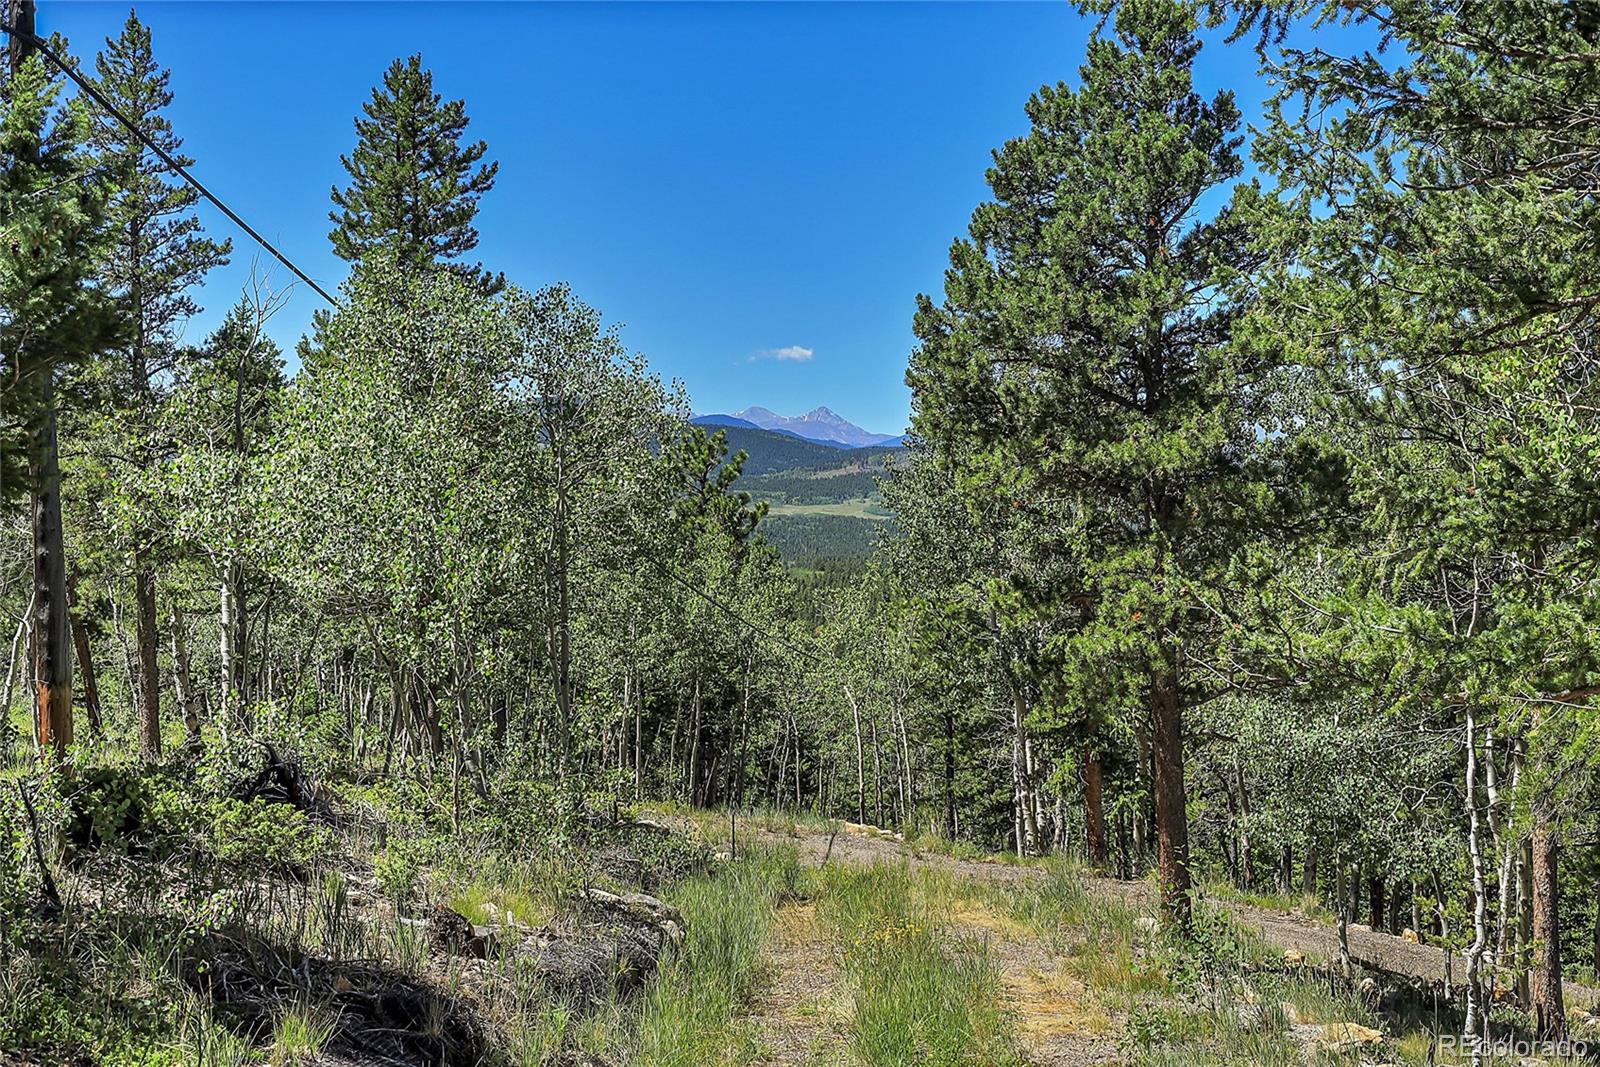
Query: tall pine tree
[(158, 254), (52, 319), (1082, 355), (414, 186)]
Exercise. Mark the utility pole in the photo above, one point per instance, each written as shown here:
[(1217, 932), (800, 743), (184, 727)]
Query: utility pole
[(52, 648)]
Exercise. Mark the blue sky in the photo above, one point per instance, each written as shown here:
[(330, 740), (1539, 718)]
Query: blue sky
[(732, 183)]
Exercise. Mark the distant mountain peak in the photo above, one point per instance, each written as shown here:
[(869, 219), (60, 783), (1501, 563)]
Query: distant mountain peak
[(820, 424)]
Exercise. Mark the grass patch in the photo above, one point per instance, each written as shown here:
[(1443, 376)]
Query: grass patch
[(690, 1017), (858, 508), (300, 1035), (917, 998), (1104, 942), (491, 903), (1305, 904)]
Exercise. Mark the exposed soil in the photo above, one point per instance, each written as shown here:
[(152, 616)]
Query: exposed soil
[(803, 1016), (801, 1012), (1059, 1021)]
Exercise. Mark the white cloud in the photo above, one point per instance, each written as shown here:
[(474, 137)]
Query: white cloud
[(792, 353)]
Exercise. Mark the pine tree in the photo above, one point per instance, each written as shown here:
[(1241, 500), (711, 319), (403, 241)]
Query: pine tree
[(414, 187), (1447, 281), (157, 256), (1082, 355), (52, 319)]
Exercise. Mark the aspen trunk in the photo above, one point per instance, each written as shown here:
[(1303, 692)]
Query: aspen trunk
[(231, 642), (861, 765), (1480, 927), (877, 774), (1525, 925), (1027, 824), (908, 793), (949, 775), (1247, 863), (147, 680), (1342, 907), (183, 679), (561, 651), (694, 745), (16, 667), (638, 745), (1595, 942)]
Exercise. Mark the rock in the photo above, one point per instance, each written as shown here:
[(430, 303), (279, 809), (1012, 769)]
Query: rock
[(612, 944), (1293, 957), (1411, 935), (485, 941), (1147, 924), (637, 908), (1256, 1015), (1347, 1037)]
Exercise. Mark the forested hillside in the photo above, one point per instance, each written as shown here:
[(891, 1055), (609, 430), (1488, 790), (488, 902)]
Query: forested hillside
[(440, 693), (826, 515)]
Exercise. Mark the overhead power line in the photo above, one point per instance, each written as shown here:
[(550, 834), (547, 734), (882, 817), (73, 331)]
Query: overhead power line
[(111, 109), (732, 613)]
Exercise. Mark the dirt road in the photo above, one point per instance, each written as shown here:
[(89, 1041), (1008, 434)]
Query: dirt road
[(1056, 1019)]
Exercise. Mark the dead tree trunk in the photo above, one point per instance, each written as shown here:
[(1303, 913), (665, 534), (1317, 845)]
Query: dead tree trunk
[(85, 657)]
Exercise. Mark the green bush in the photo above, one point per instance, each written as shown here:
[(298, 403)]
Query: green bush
[(264, 836)]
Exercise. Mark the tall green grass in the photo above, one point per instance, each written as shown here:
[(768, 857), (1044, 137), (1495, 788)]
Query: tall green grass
[(691, 1016), (920, 996)]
